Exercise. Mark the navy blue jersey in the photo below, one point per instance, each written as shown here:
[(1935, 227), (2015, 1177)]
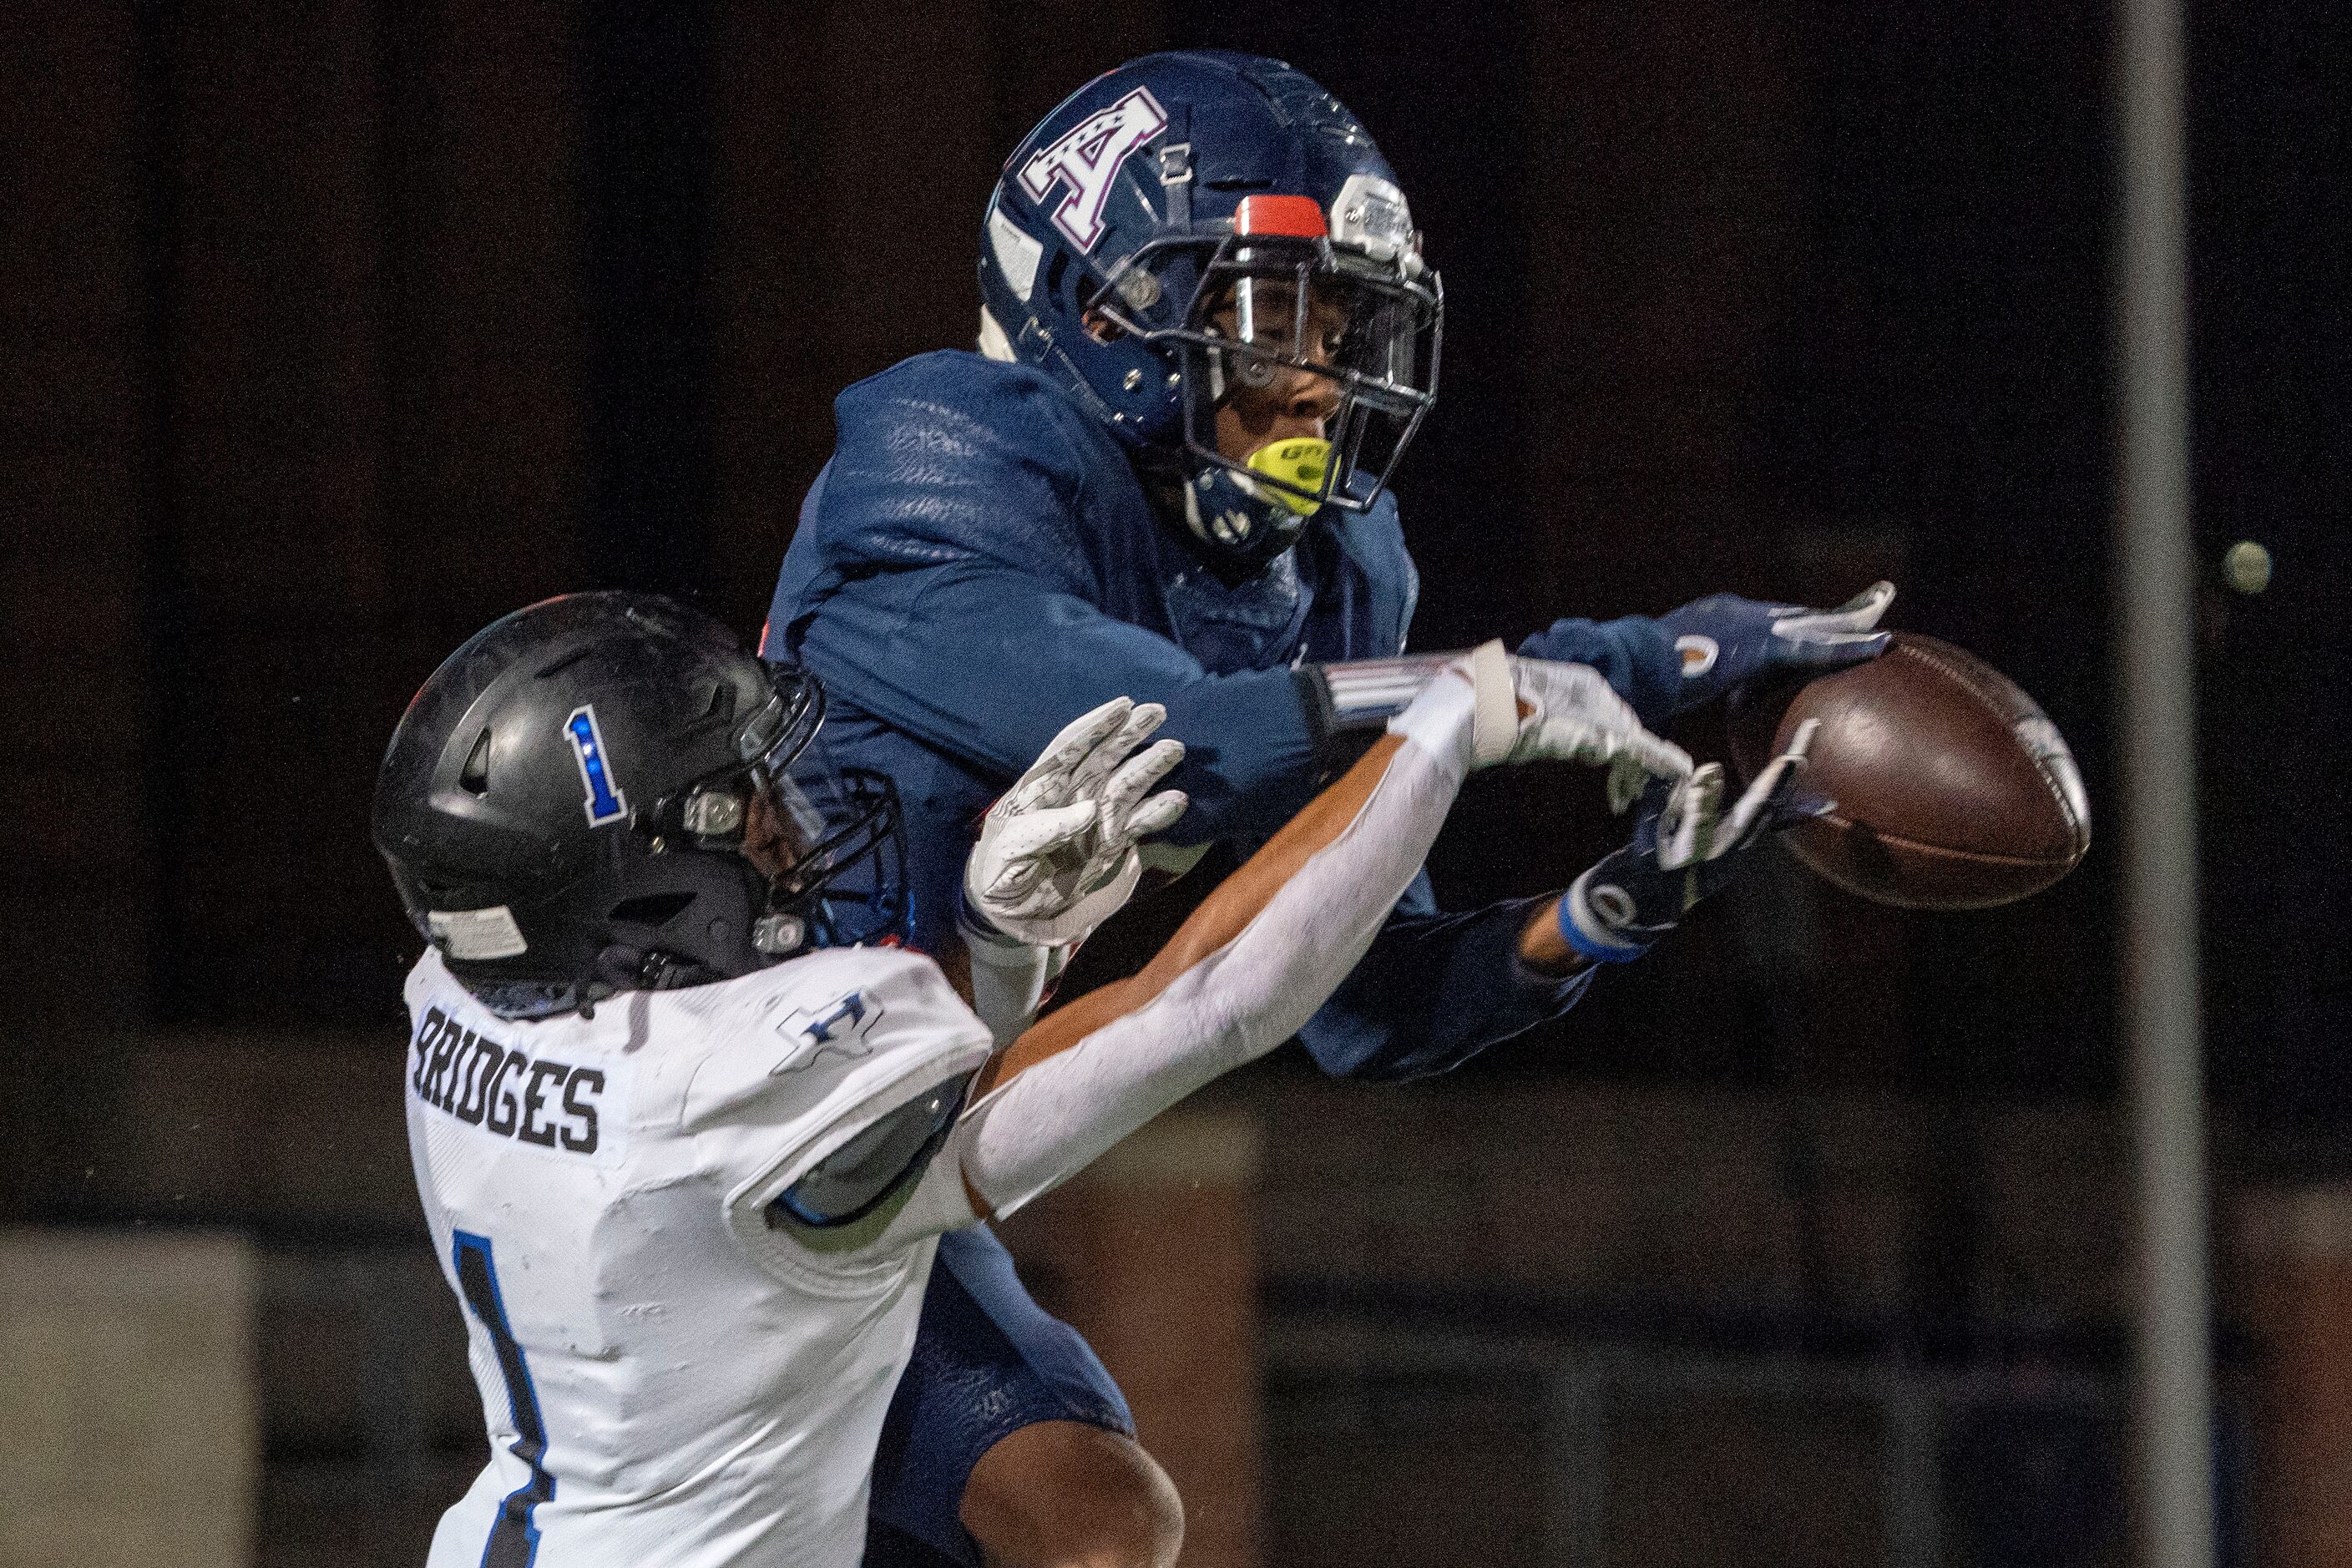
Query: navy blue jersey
[(979, 564)]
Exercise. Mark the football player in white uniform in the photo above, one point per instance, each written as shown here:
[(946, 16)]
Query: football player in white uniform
[(684, 1166)]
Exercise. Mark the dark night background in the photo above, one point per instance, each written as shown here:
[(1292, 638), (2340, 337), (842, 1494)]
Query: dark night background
[(335, 332), (336, 337)]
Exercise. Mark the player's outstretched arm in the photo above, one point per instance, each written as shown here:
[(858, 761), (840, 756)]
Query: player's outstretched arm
[(1257, 955), (1057, 853), (1253, 963), (1662, 667)]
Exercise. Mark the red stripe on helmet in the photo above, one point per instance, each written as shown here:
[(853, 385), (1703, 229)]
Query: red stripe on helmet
[(1295, 216)]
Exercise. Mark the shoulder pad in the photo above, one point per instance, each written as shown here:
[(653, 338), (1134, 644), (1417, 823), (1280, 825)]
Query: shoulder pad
[(934, 453), (785, 1042), (891, 1152), (986, 408), (820, 1057)]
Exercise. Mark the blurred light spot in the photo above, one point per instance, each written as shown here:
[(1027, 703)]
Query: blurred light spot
[(2247, 567)]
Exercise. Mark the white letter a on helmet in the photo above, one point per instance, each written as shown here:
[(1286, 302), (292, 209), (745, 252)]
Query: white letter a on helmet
[(1088, 159)]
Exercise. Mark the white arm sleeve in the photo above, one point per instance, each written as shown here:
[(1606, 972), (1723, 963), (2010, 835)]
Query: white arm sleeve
[(1008, 980), (1042, 1124)]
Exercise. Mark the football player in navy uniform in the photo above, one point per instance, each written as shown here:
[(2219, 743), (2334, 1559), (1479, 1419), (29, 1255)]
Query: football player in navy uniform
[(1208, 333)]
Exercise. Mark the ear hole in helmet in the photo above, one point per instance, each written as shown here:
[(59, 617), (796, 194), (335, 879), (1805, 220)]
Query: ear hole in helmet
[(722, 702), (653, 909), (1100, 327), (474, 776)]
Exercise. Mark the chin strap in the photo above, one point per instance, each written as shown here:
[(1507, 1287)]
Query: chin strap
[(620, 967), (1176, 171), (1235, 525)]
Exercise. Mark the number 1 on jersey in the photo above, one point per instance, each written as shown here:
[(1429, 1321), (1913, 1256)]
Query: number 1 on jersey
[(514, 1537)]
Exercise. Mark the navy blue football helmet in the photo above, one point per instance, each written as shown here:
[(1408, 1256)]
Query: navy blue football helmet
[(1194, 221)]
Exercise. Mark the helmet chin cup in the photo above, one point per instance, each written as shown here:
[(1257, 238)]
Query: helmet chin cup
[(1239, 524)]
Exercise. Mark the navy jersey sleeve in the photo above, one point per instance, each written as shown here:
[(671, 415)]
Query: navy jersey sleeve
[(1435, 990), (962, 670), (986, 663)]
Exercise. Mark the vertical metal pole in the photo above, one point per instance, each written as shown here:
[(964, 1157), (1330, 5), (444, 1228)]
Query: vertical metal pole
[(1576, 1453), (2156, 624), (1912, 1485)]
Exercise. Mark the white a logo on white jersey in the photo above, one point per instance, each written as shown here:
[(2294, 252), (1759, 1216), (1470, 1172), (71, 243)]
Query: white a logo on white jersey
[(1087, 159)]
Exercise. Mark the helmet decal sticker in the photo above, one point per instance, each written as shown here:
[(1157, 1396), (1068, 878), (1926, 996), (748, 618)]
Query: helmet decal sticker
[(605, 801), (1371, 215), (476, 935), (1017, 254), (1088, 159)]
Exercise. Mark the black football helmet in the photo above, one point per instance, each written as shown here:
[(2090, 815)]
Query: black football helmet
[(604, 793)]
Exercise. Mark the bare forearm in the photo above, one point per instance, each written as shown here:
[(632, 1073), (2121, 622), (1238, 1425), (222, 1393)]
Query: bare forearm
[(1543, 949)]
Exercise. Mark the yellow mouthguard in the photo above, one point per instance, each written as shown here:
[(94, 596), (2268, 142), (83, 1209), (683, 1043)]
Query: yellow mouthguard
[(1300, 462)]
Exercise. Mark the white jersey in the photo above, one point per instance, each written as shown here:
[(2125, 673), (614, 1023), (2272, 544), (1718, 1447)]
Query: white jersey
[(674, 1378), (666, 1379)]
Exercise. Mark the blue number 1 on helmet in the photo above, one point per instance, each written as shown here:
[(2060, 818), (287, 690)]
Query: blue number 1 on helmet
[(606, 803)]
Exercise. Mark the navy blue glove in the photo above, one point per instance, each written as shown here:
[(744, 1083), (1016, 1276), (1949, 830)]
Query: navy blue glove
[(1685, 847), (1723, 640)]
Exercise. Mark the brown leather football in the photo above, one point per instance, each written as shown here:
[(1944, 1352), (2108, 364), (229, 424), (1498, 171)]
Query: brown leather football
[(1954, 791)]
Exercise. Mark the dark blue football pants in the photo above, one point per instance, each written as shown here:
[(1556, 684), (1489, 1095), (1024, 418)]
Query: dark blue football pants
[(988, 1361)]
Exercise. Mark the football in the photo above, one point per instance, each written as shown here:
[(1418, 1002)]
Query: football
[(1953, 790)]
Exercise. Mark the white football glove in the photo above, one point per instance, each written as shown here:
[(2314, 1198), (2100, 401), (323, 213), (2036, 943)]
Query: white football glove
[(1533, 709), (1057, 855)]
